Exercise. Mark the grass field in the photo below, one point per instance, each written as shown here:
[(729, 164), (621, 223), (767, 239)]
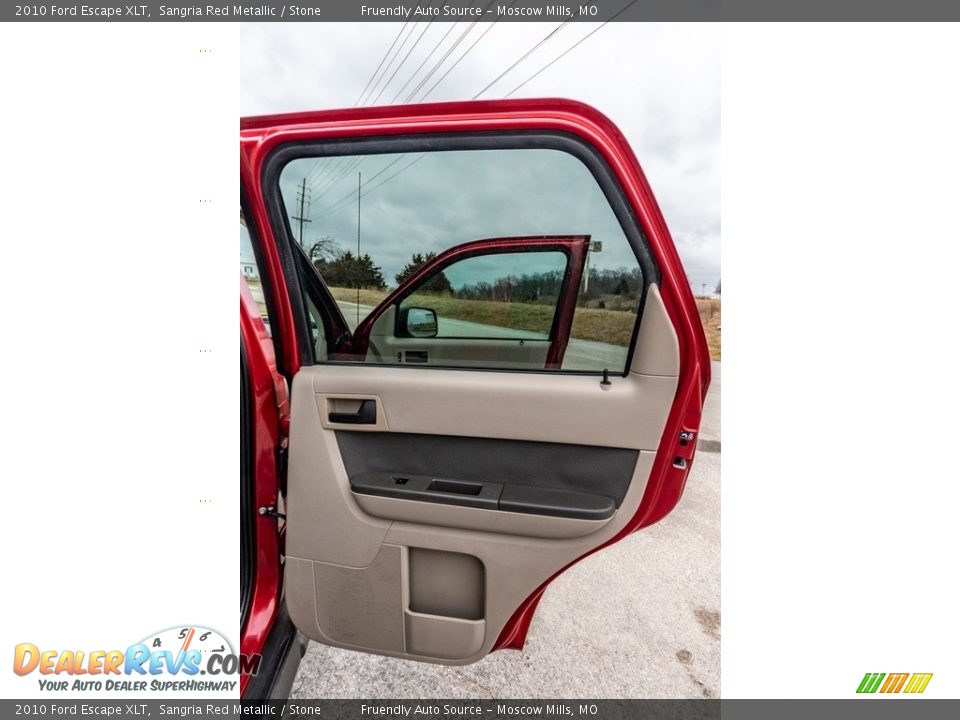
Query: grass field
[(589, 323), (608, 326), (367, 297), (710, 317)]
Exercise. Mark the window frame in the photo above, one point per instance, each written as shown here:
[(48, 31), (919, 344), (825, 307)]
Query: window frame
[(554, 320), (266, 283), (573, 145)]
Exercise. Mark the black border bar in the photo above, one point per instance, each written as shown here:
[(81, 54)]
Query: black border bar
[(482, 11), (874, 708)]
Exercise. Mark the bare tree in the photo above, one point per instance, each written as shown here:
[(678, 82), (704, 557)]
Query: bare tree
[(326, 248)]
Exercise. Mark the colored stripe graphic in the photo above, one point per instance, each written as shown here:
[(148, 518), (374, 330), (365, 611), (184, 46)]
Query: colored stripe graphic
[(918, 683), (870, 682), (894, 682)]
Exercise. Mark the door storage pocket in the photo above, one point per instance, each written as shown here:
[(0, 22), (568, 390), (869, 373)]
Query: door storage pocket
[(446, 583), (442, 637)]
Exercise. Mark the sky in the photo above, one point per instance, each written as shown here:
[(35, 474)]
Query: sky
[(660, 83), (432, 202)]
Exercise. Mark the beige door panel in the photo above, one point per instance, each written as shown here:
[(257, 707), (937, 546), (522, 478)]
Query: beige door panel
[(538, 407), (320, 500), (350, 580), (507, 353), (657, 349), (442, 639), (514, 567), (503, 353)]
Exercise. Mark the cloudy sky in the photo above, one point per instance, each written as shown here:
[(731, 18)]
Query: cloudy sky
[(660, 83)]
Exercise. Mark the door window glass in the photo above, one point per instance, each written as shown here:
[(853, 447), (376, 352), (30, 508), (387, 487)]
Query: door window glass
[(506, 295), (370, 222)]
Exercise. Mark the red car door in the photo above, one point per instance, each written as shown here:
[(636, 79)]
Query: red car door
[(529, 393)]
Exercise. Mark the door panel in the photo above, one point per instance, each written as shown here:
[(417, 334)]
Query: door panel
[(441, 576), (360, 565), (581, 469), (472, 518), (386, 347)]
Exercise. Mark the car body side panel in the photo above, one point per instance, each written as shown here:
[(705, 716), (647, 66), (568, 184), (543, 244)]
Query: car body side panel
[(664, 484), (265, 386)]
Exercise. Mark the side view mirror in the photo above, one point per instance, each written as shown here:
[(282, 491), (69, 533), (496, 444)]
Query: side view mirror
[(417, 322)]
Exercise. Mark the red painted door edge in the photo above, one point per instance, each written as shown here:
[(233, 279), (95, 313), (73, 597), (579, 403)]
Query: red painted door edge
[(261, 135), (267, 393)]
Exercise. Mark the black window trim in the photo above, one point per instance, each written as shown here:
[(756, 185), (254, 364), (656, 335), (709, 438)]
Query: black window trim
[(451, 141), (247, 534)]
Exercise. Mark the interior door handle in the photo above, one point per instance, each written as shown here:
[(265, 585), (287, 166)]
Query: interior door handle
[(366, 414)]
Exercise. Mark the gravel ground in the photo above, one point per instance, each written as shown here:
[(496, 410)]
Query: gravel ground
[(638, 620)]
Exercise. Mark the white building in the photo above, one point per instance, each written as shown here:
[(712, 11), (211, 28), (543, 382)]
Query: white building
[(248, 268)]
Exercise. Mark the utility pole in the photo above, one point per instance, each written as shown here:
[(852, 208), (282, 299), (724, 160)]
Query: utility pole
[(595, 246), (704, 293), (586, 274), (359, 176), (302, 218)]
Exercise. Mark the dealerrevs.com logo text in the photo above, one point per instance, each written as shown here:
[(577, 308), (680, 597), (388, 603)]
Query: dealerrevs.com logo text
[(182, 659)]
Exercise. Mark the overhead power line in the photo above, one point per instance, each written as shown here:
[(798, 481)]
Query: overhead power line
[(367, 188), (400, 65), (576, 44), (349, 195), (523, 57), (425, 59), (453, 47), (331, 175), (324, 165), (352, 163), (325, 171), (347, 200), (407, 27), (339, 174), (382, 60)]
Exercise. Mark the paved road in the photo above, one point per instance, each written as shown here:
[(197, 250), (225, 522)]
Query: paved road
[(580, 354), (447, 327), (640, 619)]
